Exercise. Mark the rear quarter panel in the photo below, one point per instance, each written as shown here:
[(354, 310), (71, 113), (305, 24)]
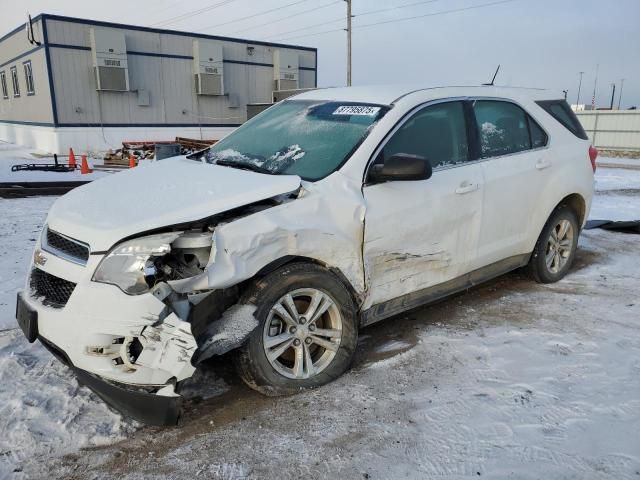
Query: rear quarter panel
[(571, 172)]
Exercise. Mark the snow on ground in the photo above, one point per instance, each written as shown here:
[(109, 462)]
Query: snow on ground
[(619, 162), (511, 380), (21, 220), (12, 154), (619, 194)]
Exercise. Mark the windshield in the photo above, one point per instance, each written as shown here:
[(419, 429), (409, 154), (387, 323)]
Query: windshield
[(307, 138)]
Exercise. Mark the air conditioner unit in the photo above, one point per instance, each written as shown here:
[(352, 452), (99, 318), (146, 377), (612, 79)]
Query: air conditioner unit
[(208, 67), (109, 53), (285, 69)]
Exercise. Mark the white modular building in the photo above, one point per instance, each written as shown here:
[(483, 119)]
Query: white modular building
[(70, 82)]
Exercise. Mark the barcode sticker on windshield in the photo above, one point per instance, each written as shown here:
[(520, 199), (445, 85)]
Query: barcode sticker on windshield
[(363, 110)]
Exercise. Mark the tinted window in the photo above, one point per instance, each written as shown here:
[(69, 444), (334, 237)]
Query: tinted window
[(28, 78), (538, 136), (503, 128), (437, 133), (560, 110), (3, 81), (14, 81)]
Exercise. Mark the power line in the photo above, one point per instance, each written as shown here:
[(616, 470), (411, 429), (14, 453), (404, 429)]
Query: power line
[(437, 13), (424, 2), (192, 13), (254, 15), (341, 19), (444, 12), (397, 7), (286, 18)]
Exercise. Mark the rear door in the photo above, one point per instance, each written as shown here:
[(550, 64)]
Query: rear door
[(423, 233), (516, 165)]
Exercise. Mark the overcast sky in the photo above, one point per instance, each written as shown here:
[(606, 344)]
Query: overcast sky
[(539, 43)]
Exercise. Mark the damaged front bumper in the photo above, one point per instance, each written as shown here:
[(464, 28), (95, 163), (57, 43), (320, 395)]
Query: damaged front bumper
[(133, 351), (146, 407), (116, 344)]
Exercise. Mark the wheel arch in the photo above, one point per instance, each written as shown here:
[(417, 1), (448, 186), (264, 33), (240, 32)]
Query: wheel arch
[(286, 260), (577, 203)]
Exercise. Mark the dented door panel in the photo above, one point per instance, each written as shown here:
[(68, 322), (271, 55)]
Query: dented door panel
[(421, 233)]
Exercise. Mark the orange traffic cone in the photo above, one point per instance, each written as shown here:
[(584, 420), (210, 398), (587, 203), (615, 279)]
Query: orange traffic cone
[(84, 166), (132, 161), (72, 159)]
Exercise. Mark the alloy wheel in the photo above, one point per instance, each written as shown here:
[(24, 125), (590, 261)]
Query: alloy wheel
[(302, 333), (559, 246)]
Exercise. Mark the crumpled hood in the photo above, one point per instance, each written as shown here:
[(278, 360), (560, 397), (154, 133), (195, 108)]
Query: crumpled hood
[(168, 192)]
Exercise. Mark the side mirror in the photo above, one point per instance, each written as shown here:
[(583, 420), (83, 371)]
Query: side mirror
[(401, 167)]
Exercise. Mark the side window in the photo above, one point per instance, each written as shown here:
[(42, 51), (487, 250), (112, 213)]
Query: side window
[(28, 78), (437, 133), (538, 136), (14, 81), (3, 82), (503, 128), (561, 111)]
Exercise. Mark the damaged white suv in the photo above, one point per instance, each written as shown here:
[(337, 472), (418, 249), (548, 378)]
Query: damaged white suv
[(327, 212)]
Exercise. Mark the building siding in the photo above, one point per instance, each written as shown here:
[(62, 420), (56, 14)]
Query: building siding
[(162, 64), (67, 111), (15, 49)]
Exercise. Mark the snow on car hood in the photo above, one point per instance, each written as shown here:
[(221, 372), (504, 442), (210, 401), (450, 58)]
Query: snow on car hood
[(169, 192)]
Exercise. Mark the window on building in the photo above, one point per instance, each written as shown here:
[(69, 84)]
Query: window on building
[(437, 133), (28, 78), (14, 81), (3, 82), (503, 128)]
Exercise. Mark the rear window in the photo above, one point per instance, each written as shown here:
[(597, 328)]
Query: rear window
[(560, 110)]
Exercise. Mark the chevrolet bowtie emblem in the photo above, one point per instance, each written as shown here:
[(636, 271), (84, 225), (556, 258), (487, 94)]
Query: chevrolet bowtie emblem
[(39, 258)]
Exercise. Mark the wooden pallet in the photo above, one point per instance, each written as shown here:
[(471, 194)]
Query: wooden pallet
[(146, 149)]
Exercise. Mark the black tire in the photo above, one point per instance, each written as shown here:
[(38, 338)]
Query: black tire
[(538, 267), (251, 360)]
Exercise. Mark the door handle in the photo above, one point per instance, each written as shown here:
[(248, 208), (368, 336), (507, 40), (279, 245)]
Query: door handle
[(467, 187), (542, 164)]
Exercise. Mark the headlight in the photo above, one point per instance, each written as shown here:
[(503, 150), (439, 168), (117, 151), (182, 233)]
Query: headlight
[(128, 263)]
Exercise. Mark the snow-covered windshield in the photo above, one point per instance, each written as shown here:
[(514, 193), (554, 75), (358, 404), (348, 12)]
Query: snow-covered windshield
[(306, 138)]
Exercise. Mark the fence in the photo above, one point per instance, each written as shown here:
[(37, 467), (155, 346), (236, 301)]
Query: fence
[(612, 129)]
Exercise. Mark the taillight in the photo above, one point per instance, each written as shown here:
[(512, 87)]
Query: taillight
[(593, 154)]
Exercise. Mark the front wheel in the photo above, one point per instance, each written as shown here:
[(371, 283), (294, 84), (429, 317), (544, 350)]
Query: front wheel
[(307, 331), (556, 247)]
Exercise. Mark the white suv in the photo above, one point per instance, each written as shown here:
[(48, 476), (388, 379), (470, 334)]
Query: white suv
[(327, 212)]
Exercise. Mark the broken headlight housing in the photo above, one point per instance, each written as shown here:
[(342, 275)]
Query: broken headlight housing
[(128, 264), (137, 265)]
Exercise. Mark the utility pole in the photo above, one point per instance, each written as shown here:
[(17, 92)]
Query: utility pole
[(595, 86), (613, 94), (620, 96), (579, 86), (348, 42)]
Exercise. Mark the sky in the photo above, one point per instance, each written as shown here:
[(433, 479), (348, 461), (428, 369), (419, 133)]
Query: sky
[(538, 43)]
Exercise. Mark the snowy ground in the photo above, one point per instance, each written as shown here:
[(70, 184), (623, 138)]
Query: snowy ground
[(510, 380)]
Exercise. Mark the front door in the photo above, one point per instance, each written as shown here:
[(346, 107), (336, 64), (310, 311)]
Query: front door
[(422, 233)]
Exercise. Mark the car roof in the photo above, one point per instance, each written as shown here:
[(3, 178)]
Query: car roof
[(390, 94)]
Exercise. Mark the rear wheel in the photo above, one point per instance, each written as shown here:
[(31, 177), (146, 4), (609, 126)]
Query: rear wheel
[(307, 332), (556, 247)]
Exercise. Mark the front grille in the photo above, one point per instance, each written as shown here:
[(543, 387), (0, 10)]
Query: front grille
[(51, 290), (63, 246)]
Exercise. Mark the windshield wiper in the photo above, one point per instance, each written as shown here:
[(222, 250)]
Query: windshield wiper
[(244, 166)]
